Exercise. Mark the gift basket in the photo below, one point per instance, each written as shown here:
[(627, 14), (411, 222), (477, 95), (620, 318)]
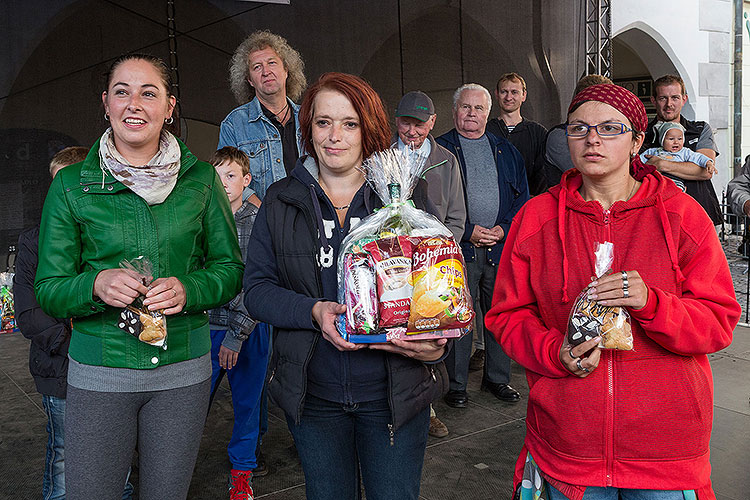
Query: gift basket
[(400, 272), (136, 319), (589, 319)]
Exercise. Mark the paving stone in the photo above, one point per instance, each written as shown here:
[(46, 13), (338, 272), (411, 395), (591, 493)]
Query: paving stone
[(730, 454)]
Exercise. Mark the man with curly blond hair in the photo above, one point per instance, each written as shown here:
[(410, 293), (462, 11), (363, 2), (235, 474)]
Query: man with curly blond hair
[(266, 75)]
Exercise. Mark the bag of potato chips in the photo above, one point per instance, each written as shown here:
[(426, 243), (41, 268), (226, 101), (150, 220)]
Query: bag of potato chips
[(440, 297), (136, 319), (390, 238)]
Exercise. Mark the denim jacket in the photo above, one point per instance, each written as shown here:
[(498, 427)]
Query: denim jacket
[(249, 130)]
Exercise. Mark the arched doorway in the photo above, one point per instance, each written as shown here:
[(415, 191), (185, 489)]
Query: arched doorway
[(640, 53)]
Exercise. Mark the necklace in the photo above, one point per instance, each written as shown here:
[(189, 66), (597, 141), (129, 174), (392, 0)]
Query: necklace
[(283, 117), (632, 191), (342, 208)]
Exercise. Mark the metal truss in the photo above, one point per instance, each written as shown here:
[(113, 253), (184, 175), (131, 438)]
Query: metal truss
[(598, 37)]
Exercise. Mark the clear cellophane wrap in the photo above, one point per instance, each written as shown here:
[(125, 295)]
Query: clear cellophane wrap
[(589, 319), (400, 272)]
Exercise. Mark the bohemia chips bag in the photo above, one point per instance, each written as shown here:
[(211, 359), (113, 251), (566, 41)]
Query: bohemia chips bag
[(589, 319), (440, 298), (385, 257)]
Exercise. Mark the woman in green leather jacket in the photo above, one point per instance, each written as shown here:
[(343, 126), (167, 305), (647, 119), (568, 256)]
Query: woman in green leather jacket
[(139, 192)]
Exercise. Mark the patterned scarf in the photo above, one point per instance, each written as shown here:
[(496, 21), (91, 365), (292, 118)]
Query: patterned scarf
[(153, 181), (626, 103)]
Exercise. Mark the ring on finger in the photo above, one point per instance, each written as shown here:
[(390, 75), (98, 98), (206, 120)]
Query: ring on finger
[(174, 293), (625, 284), (581, 367), (624, 275), (625, 293), (570, 352)]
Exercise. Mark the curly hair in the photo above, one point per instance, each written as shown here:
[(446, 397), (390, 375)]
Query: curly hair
[(239, 68), (376, 133)]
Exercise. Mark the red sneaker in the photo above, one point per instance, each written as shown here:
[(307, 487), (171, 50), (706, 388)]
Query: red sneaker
[(239, 485)]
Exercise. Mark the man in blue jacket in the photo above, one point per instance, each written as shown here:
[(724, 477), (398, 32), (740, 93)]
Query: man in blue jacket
[(266, 75), (495, 188)]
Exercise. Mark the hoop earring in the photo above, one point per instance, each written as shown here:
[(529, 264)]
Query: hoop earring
[(106, 116), (169, 121)]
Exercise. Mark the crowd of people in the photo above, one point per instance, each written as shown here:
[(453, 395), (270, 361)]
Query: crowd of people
[(527, 207)]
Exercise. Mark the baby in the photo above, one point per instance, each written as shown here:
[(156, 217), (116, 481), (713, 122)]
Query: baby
[(672, 140)]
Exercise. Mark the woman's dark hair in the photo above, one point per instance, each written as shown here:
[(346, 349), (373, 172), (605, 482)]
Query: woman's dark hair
[(373, 118), (164, 73), (156, 62)]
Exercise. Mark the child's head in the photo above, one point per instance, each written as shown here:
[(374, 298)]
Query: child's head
[(65, 157), (671, 136), (233, 168), (674, 140)]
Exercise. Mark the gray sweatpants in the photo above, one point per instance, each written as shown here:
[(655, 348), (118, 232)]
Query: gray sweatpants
[(101, 431)]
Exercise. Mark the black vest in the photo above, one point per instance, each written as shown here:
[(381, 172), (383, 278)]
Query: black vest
[(702, 191)]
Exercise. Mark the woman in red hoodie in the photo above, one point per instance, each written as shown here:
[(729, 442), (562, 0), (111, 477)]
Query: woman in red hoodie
[(601, 422)]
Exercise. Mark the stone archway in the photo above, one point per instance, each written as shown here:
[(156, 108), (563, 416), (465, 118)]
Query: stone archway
[(657, 56)]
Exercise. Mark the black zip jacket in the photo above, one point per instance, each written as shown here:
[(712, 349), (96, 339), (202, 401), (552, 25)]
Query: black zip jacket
[(288, 254), (529, 139), (50, 337)]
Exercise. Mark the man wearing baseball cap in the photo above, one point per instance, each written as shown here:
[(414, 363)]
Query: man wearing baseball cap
[(415, 117)]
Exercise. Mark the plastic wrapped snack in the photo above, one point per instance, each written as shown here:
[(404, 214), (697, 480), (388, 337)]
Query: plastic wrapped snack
[(589, 319), (147, 326), (7, 305), (361, 293), (389, 237), (392, 257)]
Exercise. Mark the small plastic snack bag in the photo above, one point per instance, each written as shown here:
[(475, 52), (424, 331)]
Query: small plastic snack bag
[(7, 304), (589, 319), (361, 294), (387, 240), (147, 326)]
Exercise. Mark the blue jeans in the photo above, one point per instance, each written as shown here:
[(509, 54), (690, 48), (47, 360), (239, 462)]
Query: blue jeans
[(246, 382), (53, 479), (336, 441), (597, 493)]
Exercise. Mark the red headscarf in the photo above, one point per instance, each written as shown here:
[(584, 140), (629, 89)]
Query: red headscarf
[(626, 103)]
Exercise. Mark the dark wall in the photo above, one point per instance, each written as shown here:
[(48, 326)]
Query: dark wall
[(55, 52)]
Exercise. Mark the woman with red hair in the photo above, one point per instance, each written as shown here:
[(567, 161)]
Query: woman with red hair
[(603, 423), (352, 410)]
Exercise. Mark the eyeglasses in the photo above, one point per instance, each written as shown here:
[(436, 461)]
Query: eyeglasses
[(606, 129)]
